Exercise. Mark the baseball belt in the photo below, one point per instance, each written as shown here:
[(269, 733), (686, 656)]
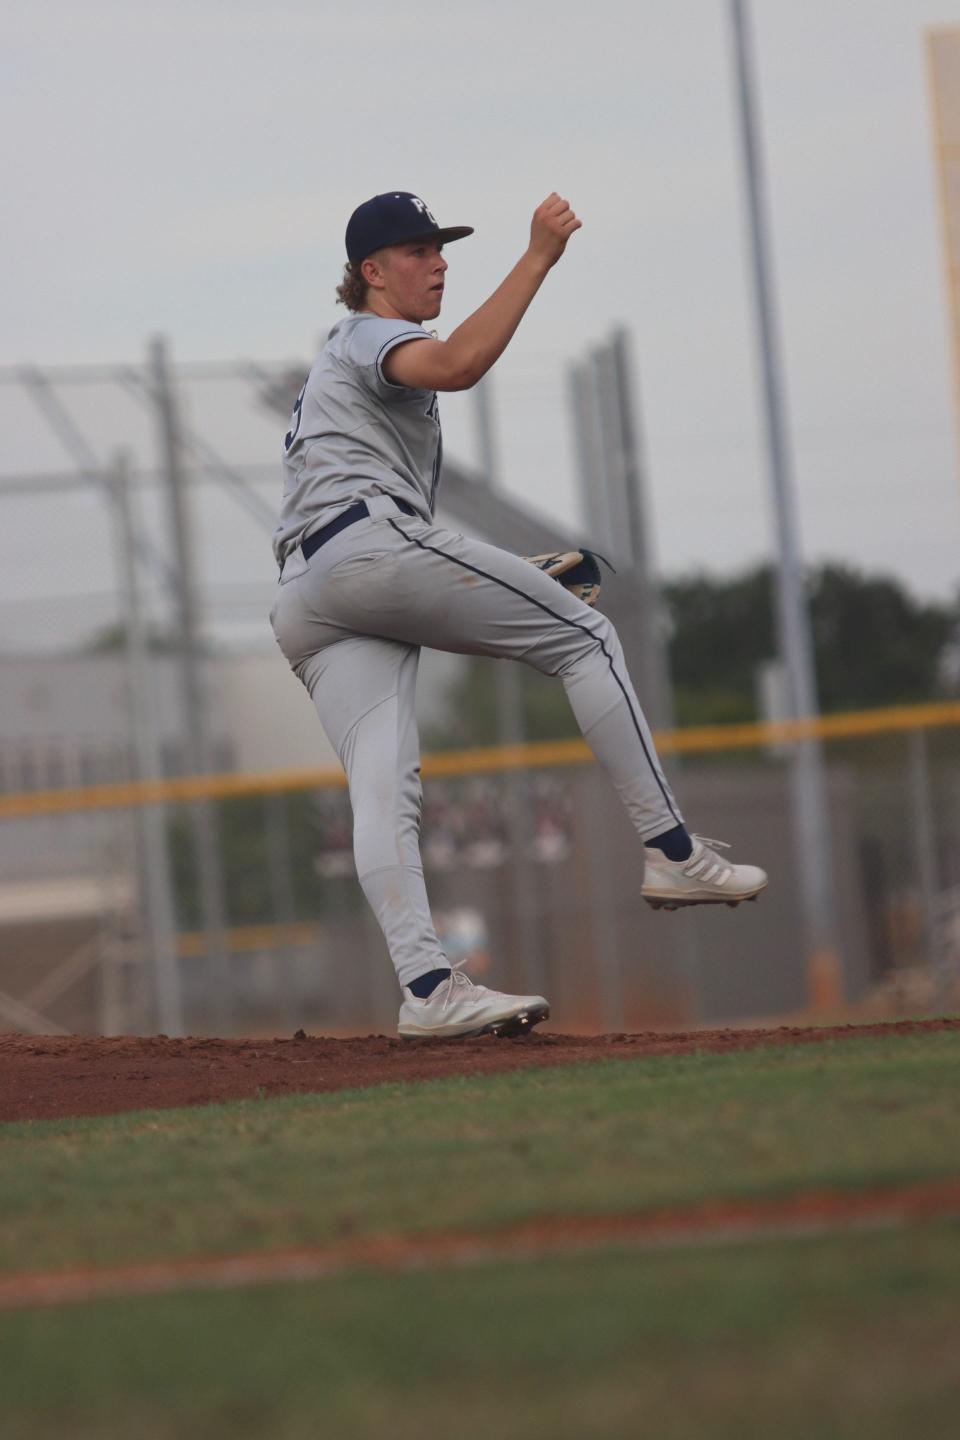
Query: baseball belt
[(356, 512)]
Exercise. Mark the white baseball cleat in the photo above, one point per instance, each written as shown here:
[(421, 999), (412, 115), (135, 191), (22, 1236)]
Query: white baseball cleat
[(459, 1008), (705, 878)]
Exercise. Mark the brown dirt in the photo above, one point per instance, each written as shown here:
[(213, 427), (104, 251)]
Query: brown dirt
[(46, 1077), (812, 1212)]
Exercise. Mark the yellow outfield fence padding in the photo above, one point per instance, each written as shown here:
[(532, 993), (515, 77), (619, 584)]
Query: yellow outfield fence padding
[(545, 754), (193, 944)]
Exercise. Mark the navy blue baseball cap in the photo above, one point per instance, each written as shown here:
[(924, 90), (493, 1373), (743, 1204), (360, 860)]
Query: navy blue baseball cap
[(393, 219)]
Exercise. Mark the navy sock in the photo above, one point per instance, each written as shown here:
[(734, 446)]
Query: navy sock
[(424, 985), (675, 844)]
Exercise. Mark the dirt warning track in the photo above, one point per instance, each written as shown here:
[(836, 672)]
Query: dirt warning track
[(45, 1077)]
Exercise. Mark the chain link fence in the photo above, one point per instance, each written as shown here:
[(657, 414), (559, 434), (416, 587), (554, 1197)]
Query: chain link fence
[(534, 874), (216, 898)]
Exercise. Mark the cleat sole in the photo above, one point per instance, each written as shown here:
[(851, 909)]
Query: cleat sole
[(517, 1024), (659, 902), (507, 1029)]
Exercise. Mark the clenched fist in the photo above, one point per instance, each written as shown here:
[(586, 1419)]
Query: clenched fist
[(553, 224)]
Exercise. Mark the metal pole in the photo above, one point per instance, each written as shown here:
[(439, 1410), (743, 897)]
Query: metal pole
[(151, 819), (925, 853), (611, 472), (606, 403), (630, 459), (609, 500), (203, 816), (590, 461), (512, 731), (524, 880), (486, 435), (604, 904), (811, 813), (657, 697), (618, 474), (656, 690), (279, 860)]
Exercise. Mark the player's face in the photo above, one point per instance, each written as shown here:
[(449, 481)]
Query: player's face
[(412, 276)]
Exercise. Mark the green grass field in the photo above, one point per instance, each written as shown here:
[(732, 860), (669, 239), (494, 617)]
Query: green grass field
[(838, 1335)]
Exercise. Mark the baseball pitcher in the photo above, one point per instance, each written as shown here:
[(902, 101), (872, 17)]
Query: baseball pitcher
[(367, 578)]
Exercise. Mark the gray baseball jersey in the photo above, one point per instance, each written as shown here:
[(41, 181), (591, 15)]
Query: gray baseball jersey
[(353, 435)]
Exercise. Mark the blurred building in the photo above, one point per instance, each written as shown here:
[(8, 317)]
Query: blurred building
[(64, 720)]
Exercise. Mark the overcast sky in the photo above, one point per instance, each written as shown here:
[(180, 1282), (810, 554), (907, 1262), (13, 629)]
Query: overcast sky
[(189, 168)]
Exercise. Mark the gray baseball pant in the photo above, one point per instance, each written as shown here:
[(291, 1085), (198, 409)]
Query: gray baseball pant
[(351, 620)]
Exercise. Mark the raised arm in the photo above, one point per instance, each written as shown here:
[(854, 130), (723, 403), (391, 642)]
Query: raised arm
[(460, 361)]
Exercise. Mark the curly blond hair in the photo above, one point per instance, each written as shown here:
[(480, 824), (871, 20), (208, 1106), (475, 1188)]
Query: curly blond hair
[(352, 290)]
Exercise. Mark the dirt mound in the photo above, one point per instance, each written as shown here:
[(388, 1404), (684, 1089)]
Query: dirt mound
[(45, 1077)]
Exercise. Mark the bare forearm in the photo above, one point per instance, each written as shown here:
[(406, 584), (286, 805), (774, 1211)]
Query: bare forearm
[(481, 339)]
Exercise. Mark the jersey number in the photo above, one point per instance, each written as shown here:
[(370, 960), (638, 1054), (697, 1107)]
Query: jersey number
[(291, 434)]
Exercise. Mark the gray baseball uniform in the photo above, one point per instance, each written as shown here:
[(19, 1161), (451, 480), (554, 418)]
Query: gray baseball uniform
[(354, 435), (352, 617)]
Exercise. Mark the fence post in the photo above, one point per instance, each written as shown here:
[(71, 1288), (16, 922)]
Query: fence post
[(925, 856), (286, 972), (203, 813), (151, 819)]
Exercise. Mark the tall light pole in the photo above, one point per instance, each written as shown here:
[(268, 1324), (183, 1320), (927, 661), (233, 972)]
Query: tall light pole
[(810, 803)]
